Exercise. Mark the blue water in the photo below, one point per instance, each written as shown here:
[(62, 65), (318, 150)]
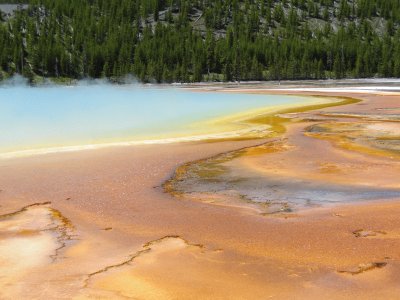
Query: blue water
[(35, 117)]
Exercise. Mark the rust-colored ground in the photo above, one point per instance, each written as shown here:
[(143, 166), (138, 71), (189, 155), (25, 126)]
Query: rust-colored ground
[(99, 224)]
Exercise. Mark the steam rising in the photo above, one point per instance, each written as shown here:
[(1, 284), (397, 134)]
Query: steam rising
[(18, 80)]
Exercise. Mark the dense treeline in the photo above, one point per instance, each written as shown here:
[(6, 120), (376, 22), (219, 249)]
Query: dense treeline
[(195, 40)]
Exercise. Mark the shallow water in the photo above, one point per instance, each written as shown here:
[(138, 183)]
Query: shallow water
[(43, 117)]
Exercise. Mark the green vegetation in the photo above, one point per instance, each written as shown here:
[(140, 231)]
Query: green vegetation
[(196, 40)]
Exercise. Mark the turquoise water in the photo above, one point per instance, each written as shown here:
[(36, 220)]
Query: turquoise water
[(38, 117)]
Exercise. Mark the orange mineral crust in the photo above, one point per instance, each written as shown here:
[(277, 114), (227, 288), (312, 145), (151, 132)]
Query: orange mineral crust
[(201, 220)]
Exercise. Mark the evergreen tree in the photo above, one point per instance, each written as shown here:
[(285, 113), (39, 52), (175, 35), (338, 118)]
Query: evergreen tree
[(182, 40)]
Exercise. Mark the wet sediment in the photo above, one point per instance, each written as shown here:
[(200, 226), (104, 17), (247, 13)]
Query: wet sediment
[(269, 178), (125, 239)]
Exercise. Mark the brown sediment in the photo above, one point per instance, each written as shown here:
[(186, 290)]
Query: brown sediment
[(361, 233), (205, 167), (277, 121), (374, 136), (31, 237), (11, 214), (361, 268), (59, 225), (304, 254), (231, 177), (146, 248), (65, 230)]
